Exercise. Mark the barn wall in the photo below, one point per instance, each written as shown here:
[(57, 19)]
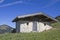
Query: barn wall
[(22, 26), (17, 26), (41, 27), (25, 27)]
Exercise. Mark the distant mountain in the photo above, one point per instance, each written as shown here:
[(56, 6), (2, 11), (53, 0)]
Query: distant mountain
[(5, 28), (58, 18)]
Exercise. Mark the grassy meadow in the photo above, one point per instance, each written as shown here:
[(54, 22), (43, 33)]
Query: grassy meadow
[(53, 34)]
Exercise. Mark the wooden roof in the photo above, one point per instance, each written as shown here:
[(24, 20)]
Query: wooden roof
[(35, 15)]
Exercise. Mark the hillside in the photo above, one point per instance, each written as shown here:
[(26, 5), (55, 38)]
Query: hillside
[(58, 18), (53, 34), (56, 25), (5, 28)]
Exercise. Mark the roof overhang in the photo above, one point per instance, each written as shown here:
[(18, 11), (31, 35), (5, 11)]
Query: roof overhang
[(35, 15)]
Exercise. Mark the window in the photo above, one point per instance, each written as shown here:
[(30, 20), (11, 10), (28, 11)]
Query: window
[(27, 23), (44, 24)]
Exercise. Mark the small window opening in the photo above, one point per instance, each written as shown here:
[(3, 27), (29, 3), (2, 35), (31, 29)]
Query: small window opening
[(27, 23), (44, 24)]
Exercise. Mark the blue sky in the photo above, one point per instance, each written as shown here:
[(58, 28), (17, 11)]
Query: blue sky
[(9, 9)]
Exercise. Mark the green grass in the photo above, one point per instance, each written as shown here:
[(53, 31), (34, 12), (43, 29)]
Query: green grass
[(53, 34), (56, 25)]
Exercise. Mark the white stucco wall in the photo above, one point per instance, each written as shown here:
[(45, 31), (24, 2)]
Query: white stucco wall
[(48, 27), (26, 28), (41, 27), (23, 27)]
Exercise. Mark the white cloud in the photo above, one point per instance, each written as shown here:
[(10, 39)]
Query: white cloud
[(26, 2), (17, 2), (2, 1)]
